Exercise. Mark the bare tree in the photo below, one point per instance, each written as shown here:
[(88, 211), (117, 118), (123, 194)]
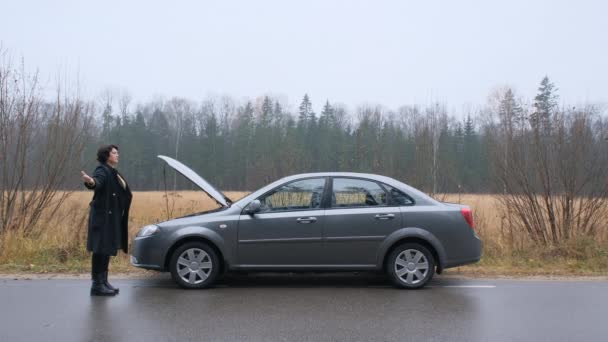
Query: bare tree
[(39, 146), (124, 101), (178, 110), (106, 100), (437, 119)]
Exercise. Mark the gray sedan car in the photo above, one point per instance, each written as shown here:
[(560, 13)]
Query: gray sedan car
[(330, 221)]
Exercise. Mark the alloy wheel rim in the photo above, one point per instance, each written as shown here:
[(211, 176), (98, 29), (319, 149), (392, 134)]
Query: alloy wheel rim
[(194, 266), (411, 266)]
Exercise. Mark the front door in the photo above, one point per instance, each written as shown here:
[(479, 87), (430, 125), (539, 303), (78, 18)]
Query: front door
[(288, 229), (357, 221)]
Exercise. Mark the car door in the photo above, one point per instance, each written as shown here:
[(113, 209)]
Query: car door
[(288, 229), (357, 221)]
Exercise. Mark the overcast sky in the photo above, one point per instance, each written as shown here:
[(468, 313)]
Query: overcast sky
[(351, 52)]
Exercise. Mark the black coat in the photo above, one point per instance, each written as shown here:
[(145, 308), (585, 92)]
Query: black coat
[(109, 213)]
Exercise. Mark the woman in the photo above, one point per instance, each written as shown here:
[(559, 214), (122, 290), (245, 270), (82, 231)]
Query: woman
[(108, 217)]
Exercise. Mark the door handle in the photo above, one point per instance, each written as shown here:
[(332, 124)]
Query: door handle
[(385, 216), (307, 219)]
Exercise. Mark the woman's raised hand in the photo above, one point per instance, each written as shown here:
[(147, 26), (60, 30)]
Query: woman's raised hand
[(86, 178)]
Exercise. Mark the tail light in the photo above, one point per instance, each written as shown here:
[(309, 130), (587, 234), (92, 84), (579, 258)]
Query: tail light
[(467, 214)]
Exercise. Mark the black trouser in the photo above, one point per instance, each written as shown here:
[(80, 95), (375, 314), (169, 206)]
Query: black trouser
[(100, 263)]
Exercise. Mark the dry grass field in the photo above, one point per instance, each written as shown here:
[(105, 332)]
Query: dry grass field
[(58, 244)]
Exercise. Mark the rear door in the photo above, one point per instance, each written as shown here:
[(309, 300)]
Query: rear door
[(288, 229), (357, 221)]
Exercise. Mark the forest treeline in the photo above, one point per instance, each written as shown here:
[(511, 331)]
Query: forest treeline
[(244, 146), (241, 146)]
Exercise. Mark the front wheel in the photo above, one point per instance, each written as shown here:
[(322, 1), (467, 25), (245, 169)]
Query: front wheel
[(194, 265), (410, 266)]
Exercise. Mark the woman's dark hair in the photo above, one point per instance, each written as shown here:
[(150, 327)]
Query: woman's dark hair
[(103, 153)]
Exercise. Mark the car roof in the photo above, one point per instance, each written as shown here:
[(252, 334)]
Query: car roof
[(335, 174), (418, 195)]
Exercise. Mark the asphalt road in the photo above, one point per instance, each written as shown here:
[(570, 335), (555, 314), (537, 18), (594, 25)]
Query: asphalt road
[(307, 307)]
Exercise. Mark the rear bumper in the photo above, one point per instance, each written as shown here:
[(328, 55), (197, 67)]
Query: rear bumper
[(455, 263), (473, 255)]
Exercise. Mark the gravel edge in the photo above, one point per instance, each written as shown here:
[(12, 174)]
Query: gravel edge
[(157, 275)]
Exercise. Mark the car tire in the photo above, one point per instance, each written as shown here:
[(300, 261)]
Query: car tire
[(194, 265), (410, 266)]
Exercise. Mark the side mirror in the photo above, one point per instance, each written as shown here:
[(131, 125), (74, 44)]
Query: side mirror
[(254, 207)]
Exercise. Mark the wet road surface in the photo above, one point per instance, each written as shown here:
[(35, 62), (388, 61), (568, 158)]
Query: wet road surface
[(305, 307)]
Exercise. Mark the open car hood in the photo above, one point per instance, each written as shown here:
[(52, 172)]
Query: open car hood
[(187, 172)]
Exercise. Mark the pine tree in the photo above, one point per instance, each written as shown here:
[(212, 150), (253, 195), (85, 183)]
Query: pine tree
[(266, 116), (305, 110), (471, 155), (277, 113), (469, 127), (459, 138), (243, 141), (510, 113), (327, 115), (107, 122), (544, 106)]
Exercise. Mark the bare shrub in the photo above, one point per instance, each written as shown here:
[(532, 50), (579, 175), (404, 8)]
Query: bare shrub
[(552, 165)]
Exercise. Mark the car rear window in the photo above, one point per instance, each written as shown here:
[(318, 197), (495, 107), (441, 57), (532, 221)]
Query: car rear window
[(350, 192), (398, 197)]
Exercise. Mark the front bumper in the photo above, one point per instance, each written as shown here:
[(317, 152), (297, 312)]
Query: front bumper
[(148, 253)]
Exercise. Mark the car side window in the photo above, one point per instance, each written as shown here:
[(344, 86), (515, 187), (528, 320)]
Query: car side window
[(299, 195), (350, 192), (398, 197)]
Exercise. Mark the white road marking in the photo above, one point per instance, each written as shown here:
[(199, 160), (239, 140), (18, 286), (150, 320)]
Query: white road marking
[(467, 286), (436, 286)]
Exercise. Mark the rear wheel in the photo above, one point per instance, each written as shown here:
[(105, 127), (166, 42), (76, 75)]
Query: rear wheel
[(194, 265), (410, 266)]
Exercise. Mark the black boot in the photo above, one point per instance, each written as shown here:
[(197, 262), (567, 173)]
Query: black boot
[(108, 285), (98, 288)]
